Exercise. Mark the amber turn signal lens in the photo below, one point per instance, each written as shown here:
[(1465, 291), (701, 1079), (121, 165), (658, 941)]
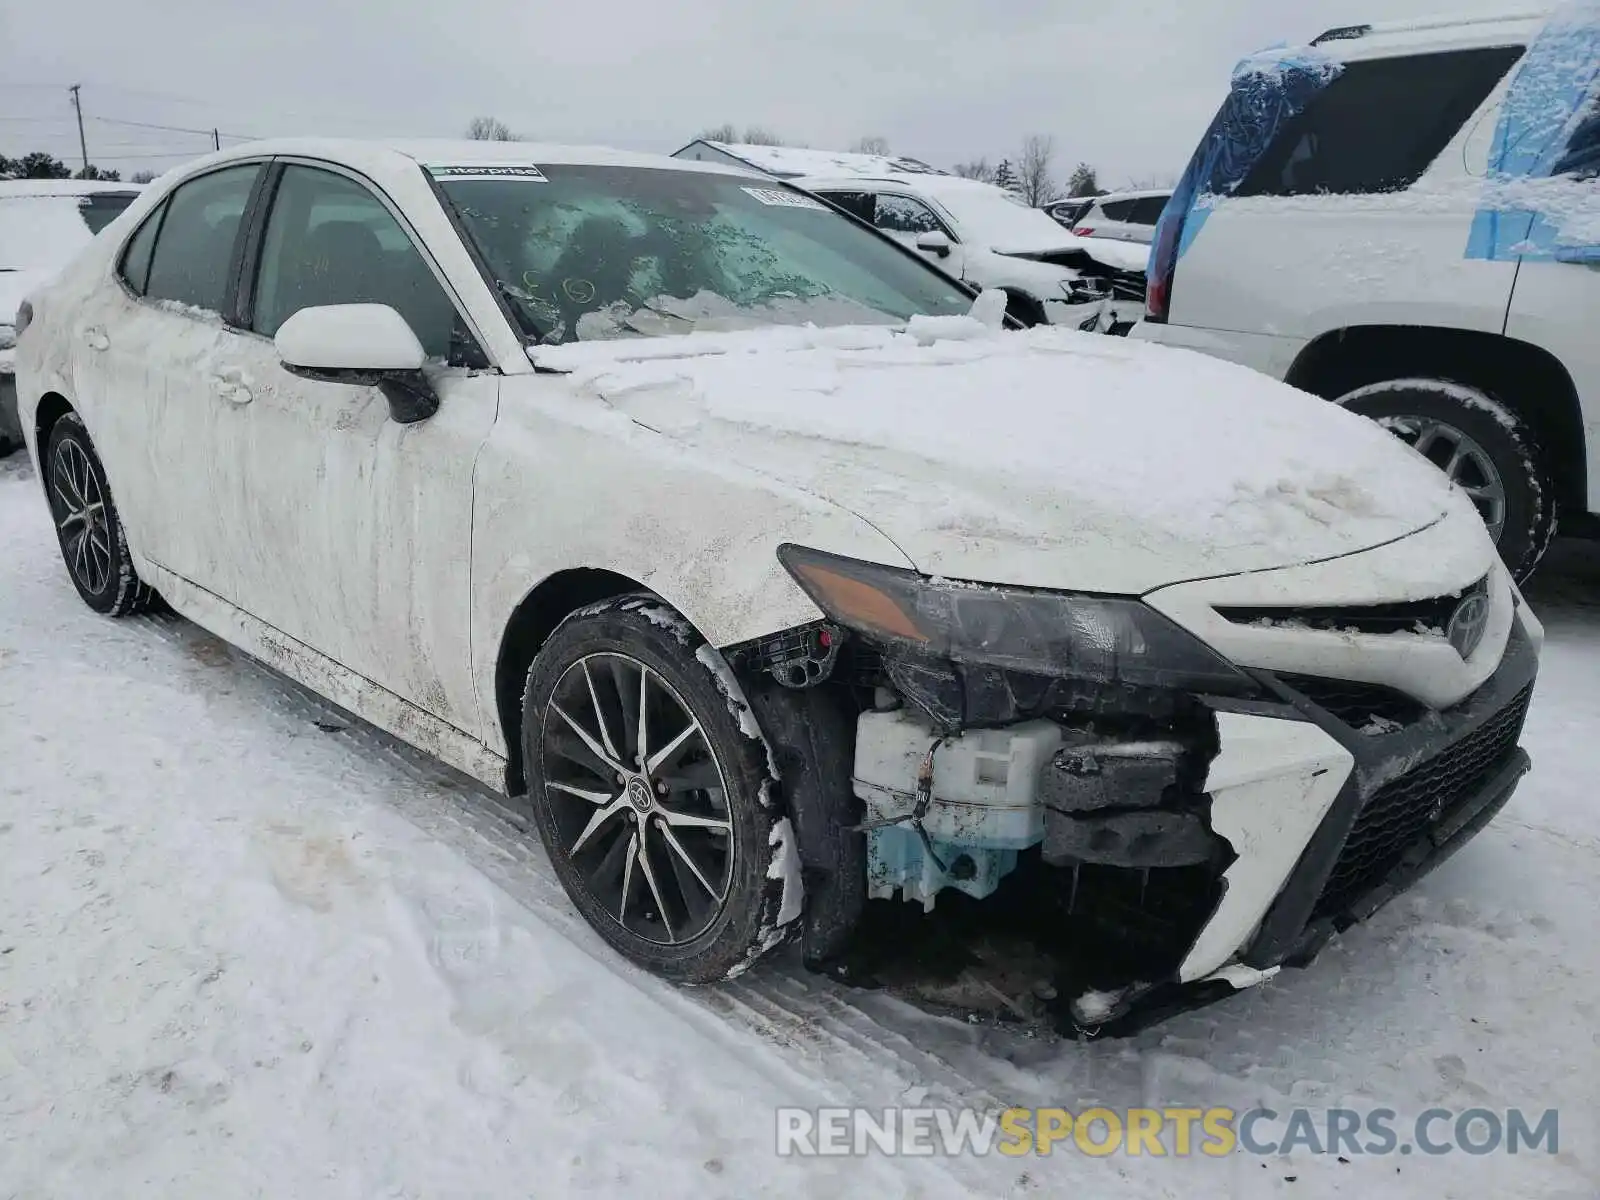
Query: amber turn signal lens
[(857, 603)]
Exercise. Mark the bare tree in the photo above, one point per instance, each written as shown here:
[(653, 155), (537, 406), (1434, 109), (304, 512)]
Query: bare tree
[(720, 133), (1084, 182), (1152, 183), (978, 168), (755, 135), (490, 129), (142, 177), (871, 145), (1034, 182)]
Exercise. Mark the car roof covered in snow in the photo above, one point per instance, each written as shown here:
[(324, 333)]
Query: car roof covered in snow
[(788, 161), (381, 159), (1383, 39), (13, 189)]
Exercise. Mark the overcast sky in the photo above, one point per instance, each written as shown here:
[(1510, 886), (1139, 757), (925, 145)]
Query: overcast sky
[(1125, 84)]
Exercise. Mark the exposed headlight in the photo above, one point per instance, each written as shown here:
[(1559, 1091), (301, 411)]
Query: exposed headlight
[(1072, 636)]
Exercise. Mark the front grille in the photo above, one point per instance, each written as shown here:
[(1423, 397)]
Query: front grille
[(1401, 810), (1368, 707), (1413, 616)]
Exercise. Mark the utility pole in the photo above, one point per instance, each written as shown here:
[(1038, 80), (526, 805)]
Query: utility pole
[(216, 140), (77, 105)]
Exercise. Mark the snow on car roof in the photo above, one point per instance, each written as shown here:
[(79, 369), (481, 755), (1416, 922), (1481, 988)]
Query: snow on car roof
[(11, 189), (800, 160), (1381, 39), (382, 156)]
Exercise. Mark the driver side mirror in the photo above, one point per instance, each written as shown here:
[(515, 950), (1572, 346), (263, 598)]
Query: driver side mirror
[(368, 345), (934, 242)]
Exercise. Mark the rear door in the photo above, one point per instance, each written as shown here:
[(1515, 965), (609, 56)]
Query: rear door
[(1355, 211), (349, 531), (152, 367), (1556, 304)]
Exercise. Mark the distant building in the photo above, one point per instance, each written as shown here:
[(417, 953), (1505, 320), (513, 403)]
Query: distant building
[(789, 162)]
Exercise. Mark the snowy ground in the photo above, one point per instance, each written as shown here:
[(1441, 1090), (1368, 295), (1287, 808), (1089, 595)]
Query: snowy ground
[(246, 950)]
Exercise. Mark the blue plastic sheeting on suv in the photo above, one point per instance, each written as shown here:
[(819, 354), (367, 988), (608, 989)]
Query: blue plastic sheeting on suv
[(1270, 88), (1549, 125)]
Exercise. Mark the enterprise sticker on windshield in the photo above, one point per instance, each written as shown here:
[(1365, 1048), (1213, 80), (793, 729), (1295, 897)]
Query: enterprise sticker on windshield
[(778, 198), (533, 174)]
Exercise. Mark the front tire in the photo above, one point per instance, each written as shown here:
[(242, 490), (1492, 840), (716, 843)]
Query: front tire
[(651, 791), (93, 543), (1486, 449)]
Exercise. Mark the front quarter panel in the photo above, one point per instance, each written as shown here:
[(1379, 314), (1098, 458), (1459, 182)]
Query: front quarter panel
[(567, 482)]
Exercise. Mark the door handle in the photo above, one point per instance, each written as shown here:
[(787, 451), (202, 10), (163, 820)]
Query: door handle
[(95, 338), (229, 384)]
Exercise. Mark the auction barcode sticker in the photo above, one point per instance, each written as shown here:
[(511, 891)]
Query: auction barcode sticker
[(778, 198)]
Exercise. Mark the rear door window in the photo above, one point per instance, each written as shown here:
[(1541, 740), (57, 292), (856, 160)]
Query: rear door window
[(1379, 124), (1118, 210), (135, 268), (193, 255)]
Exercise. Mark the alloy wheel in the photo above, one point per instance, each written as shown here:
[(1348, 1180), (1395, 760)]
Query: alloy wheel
[(79, 507), (1461, 458), (637, 798)]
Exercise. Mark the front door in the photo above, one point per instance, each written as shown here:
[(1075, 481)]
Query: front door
[(352, 532)]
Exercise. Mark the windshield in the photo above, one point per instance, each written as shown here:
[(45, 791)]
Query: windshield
[(592, 252)]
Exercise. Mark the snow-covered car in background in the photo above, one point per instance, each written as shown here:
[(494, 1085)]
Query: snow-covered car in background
[(992, 239), (1122, 216), (43, 223), (1405, 219), (711, 527)]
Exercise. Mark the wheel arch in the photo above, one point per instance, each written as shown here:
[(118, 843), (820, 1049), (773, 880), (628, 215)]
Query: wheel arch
[(547, 604), (1520, 375), (1025, 306)]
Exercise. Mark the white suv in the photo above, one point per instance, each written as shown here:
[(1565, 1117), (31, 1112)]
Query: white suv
[(1405, 219), (1122, 216)]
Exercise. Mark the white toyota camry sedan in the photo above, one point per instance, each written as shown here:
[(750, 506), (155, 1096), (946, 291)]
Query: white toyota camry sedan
[(769, 572)]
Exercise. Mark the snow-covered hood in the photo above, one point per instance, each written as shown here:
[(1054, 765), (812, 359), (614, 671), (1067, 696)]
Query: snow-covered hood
[(1047, 458), (1123, 256)]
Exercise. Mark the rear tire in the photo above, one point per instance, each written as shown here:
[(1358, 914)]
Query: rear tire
[(93, 543), (717, 882), (1487, 449)]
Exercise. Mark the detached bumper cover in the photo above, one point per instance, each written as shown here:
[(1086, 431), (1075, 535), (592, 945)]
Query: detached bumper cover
[(1389, 810)]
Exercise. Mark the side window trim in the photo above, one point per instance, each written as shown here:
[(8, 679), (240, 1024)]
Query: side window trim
[(156, 218), (240, 301), (382, 197)]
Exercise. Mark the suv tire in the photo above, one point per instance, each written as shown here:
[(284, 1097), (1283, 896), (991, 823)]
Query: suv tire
[(1487, 449)]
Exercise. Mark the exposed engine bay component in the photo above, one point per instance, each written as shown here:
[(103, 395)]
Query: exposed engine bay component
[(980, 808), (1120, 803)]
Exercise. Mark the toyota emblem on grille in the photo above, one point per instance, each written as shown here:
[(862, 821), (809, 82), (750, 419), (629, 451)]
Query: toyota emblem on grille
[(1468, 621)]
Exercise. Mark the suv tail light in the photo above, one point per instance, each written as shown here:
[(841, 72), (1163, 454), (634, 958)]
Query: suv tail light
[(1163, 264), (1084, 231)]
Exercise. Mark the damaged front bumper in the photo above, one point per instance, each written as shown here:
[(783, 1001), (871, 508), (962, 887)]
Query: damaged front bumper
[(1224, 850)]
